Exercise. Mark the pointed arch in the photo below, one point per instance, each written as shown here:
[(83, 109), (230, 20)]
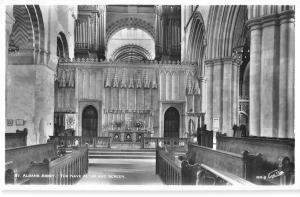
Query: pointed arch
[(197, 42), (226, 29)]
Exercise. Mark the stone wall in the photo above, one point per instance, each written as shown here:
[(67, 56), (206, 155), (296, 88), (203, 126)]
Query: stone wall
[(30, 73)]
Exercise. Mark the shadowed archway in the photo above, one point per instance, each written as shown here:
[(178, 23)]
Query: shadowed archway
[(171, 123), (89, 121)]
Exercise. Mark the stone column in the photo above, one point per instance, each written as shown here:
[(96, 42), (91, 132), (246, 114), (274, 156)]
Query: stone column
[(209, 94), (286, 75), (254, 90), (272, 75), (203, 95), (227, 96), (269, 78), (291, 76), (217, 91), (237, 62), (283, 70)]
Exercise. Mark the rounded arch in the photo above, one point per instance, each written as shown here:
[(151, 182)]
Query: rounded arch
[(28, 32), (62, 46), (89, 121), (129, 22), (132, 52), (22, 31), (171, 123)]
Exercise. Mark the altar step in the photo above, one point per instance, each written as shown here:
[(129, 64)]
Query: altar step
[(122, 155), (97, 153)]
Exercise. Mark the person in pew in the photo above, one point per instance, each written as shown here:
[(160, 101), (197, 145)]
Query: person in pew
[(235, 128), (199, 134), (245, 132)]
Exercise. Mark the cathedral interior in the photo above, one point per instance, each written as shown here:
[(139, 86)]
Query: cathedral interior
[(206, 92)]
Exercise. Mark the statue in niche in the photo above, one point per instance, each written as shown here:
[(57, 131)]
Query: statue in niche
[(131, 83), (154, 84), (139, 83), (107, 81), (67, 78), (146, 83), (189, 87), (123, 82), (71, 78), (196, 88), (116, 83), (62, 81)]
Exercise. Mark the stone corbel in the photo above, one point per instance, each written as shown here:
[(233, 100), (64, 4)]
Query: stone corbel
[(197, 90), (237, 56)]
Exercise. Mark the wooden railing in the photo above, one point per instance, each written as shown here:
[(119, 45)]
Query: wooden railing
[(155, 142), (93, 142), (107, 142), (275, 153), (65, 170), (168, 167)]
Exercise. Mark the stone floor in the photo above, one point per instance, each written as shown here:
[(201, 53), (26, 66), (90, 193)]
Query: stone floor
[(121, 172)]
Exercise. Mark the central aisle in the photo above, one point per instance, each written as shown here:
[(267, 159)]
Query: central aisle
[(114, 171)]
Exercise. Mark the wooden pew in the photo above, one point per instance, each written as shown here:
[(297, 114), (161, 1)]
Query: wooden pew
[(276, 153), (210, 176), (18, 159), (65, 170), (173, 171), (241, 165), (205, 137), (18, 139)]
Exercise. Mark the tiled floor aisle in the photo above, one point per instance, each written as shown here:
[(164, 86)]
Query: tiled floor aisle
[(121, 172)]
